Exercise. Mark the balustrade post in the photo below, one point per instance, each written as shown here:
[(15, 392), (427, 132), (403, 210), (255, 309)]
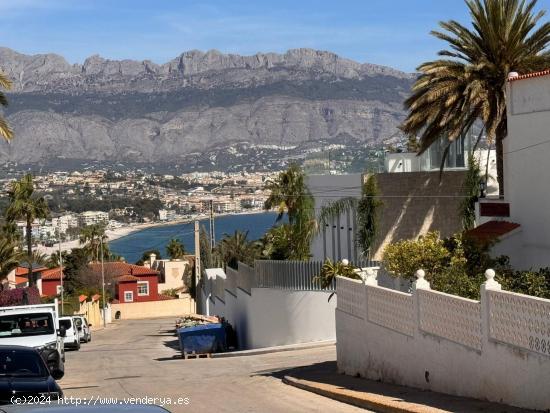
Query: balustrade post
[(420, 284), (489, 285)]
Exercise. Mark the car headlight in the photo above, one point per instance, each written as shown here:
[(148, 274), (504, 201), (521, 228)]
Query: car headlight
[(48, 346)]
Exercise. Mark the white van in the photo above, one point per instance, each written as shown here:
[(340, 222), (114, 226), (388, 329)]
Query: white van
[(35, 326), (83, 328), (72, 335)]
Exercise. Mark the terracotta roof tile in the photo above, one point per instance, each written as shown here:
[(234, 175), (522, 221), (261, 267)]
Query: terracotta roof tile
[(82, 298), (127, 277), (96, 297), (21, 280), (492, 230), (531, 75), (122, 268), (52, 274), (25, 270)]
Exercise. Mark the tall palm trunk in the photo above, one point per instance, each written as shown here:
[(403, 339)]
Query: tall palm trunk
[(501, 132), (32, 281)]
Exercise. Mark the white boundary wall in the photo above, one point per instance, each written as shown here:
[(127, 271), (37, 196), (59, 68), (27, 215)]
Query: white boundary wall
[(266, 317), (496, 349)]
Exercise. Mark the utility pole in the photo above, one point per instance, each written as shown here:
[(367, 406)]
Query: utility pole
[(102, 282), (197, 262), (212, 234), (60, 263)]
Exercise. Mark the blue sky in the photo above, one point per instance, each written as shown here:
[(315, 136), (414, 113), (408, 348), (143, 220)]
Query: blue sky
[(388, 32)]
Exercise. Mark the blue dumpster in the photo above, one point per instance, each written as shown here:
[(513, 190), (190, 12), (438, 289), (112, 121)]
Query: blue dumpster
[(205, 338)]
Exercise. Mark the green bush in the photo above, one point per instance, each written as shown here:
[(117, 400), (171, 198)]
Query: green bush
[(457, 266)]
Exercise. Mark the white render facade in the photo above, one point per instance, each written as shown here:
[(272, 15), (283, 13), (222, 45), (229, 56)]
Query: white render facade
[(527, 171)]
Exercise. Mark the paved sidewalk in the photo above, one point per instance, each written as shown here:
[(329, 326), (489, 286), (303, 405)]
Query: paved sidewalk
[(323, 379)]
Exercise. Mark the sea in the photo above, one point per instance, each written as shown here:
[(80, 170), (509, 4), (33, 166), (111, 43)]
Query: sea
[(132, 246)]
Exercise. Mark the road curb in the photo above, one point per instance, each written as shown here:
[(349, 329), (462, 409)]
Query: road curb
[(278, 349), (364, 400)]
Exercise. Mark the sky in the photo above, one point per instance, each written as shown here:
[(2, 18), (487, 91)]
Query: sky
[(387, 32)]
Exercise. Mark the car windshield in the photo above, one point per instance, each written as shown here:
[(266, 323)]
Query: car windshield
[(16, 363), (26, 325), (67, 324)]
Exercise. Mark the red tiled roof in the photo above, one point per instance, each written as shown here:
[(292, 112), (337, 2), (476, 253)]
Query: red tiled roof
[(492, 230), (96, 297), (52, 274), (25, 270), (21, 280), (127, 277), (82, 298), (122, 268), (531, 75)]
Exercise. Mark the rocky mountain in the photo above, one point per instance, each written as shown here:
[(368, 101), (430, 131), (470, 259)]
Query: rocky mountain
[(139, 111)]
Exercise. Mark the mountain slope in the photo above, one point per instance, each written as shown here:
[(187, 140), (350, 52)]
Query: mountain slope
[(144, 112)]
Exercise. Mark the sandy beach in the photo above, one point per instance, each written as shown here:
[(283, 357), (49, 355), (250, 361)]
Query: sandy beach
[(113, 234)]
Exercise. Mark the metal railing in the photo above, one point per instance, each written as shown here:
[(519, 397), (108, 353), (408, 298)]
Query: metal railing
[(289, 275)]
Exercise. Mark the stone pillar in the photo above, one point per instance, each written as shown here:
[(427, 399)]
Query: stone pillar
[(489, 285)]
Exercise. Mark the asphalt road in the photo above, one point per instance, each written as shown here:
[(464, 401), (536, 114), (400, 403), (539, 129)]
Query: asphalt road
[(134, 359)]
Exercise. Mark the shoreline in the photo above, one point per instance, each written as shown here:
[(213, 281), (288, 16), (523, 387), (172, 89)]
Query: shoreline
[(117, 233)]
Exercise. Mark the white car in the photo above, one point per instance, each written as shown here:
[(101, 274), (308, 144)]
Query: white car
[(72, 335), (83, 328)]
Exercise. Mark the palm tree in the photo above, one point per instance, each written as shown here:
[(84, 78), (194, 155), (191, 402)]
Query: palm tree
[(469, 83), (5, 130), (92, 236), (175, 249), (27, 205), (33, 260), (289, 193), (236, 248), (367, 209), (9, 258)]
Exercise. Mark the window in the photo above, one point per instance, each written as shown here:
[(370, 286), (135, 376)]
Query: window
[(143, 288), (128, 296), (26, 324)]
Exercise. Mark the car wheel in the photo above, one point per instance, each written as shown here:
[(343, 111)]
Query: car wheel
[(78, 345), (89, 337)]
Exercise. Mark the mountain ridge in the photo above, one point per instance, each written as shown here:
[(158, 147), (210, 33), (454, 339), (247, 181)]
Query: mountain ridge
[(145, 112)]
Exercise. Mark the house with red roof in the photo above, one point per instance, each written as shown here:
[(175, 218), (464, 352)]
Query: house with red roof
[(521, 221), (128, 283), (48, 280), (51, 281)]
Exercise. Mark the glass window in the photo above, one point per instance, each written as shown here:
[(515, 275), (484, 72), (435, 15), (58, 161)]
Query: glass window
[(26, 324), (66, 323), (14, 363), (143, 288), (128, 296)]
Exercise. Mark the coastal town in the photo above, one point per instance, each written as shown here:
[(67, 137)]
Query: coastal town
[(129, 201), (295, 231)]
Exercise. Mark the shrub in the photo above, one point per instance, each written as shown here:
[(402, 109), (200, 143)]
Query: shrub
[(332, 269), (457, 265), (19, 296)]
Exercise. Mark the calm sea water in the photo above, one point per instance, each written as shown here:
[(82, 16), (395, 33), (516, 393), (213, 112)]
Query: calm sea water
[(132, 246)]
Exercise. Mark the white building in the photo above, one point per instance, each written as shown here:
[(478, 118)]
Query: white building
[(525, 237), (93, 217), (335, 240)]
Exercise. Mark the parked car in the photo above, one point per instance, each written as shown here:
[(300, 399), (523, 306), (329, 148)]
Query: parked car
[(83, 328), (24, 376), (72, 335), (35, 326)]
